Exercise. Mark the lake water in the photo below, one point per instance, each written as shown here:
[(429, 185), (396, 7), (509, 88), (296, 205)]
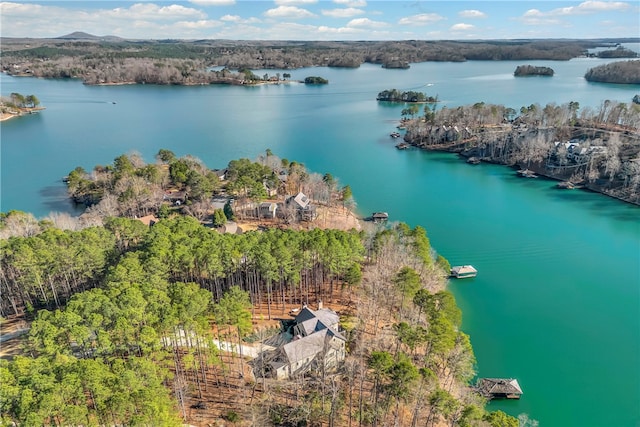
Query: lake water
[(556, 303)]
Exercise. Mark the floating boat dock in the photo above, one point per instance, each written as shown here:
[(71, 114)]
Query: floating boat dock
[(499, 388), (473, 161), (463, 271), (526, 173)]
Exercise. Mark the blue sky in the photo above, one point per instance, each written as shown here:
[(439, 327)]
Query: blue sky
[(323, 19)]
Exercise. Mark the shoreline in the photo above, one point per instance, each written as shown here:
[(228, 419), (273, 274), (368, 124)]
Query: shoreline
[(4, 116), (533, 168)]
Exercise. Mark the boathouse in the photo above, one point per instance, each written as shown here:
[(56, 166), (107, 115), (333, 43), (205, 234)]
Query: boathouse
[(499, 388), (379, 217), (463, 271)]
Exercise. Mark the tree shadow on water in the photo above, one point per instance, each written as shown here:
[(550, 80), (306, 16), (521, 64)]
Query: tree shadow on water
[(597, 203), (55, 199)]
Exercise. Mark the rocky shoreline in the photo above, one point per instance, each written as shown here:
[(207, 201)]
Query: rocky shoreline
[(602, 157)]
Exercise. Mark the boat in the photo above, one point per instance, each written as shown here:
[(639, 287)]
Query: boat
[(473, 160), (395, 135), (526, 173), (463, 271)]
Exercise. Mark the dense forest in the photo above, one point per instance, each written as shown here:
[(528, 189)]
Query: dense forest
[(531, 70), (621, 72), (394, 95), (125, 319), (597, 148), (117, 61), (618, 52)]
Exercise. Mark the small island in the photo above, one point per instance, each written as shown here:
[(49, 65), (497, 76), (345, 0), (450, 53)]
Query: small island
[(531, 70), (396, 63), (394, 95), (314, 80), (621, 72)]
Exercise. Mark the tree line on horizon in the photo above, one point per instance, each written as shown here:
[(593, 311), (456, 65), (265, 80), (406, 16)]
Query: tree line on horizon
[(182, 62)]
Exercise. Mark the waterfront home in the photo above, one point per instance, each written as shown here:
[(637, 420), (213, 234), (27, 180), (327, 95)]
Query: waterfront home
[(267, 210), (499, 388), (463, 271), (221, 173), (302, 205), (312, 343), (148, 220), (271, 191)]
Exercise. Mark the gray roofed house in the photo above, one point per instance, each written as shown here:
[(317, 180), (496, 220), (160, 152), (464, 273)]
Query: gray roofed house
[(306, 211), (317, 344), (267, 209)]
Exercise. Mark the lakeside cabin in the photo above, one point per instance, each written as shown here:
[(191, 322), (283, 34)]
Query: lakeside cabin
[(499, 388), (463, 271)]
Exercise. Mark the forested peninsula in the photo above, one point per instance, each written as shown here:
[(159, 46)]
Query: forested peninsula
[(621, 72), (133, 321), (17, 105), (111, 60), (593, 148)]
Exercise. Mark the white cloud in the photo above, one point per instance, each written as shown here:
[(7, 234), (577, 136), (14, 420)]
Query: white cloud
[(239, 20), (343, 13), (365, 23), (472, 13), (351, 3), (421, 19), (462, 27), (584, 8), (288, 12), (153, 11), (196, 25), (213, 2), (593, 7), (294, 2)]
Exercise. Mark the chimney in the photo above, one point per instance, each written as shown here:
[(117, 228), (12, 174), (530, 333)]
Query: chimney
[(320, 305)]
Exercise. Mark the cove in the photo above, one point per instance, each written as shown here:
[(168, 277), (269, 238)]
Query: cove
[(557, 299)]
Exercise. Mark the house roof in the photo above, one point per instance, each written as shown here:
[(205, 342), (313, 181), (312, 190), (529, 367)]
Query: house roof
[(148, 220), (499, 386), (302, 200), (309, 346), (462, 269), (327, 316), (313, 322)]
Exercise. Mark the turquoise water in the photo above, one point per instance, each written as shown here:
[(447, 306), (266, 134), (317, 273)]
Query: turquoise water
[(557, 299)]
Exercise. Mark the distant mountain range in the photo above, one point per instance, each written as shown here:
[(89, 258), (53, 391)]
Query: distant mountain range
[(79, 35)]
